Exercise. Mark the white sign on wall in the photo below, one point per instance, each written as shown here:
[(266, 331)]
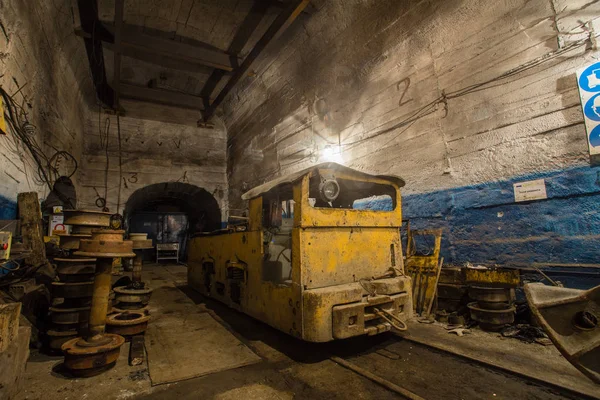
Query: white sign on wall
[(530, 190), (588, 81)]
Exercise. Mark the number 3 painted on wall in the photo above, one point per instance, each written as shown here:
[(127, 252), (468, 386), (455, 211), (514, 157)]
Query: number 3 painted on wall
[(406, 82)]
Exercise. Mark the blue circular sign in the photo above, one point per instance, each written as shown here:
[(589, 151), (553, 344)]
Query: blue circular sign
[(595, 137), (590, 78), (592, 108)]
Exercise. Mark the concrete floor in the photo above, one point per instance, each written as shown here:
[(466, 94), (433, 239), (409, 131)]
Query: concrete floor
[(290, 368)]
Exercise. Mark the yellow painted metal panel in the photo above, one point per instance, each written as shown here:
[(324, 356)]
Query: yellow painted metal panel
[(255, 214), (2, 120), (331, 251), (311, 216), (493, 277), (335, 256), (318, 305), (423, 270), (276, 304)]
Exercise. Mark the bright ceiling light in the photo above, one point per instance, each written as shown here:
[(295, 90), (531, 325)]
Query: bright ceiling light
[(331, 154)]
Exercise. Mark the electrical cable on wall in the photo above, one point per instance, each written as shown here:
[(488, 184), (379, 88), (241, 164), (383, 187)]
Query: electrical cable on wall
[(432, 106), (104, 136), (48, 169)]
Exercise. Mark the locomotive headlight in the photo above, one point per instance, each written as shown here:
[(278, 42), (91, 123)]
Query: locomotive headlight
[(329, 190)]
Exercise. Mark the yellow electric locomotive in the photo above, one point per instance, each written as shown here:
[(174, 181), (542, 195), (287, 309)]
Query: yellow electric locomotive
[(320, 257)]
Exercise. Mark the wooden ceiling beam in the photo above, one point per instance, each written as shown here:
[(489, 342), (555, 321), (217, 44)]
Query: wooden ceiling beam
[(88, 16), (119, 4), (239, 41), (283, 3), (160, 96), (279, 25), (156, 49)]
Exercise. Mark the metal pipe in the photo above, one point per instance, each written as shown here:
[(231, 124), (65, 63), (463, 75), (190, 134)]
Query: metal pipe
[(552, 281), (137, 266), (102, 282)]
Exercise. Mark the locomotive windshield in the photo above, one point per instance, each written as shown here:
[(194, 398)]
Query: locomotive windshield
[(330, 192)]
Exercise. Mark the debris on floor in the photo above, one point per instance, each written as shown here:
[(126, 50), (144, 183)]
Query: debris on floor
[(525, 333)]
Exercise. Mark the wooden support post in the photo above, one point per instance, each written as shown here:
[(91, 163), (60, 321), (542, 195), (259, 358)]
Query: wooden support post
[(9, 323), (30, 215)]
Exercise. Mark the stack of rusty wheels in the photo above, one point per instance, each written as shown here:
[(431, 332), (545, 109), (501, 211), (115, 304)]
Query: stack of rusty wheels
[(97, 351), (82, 222), (492, 308), (72, 294), (131, 302), (71, 300)]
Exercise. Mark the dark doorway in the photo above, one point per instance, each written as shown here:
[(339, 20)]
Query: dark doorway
[(172, 211)]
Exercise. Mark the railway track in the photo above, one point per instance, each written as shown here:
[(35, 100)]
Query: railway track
[(384, 363), (417, 372)]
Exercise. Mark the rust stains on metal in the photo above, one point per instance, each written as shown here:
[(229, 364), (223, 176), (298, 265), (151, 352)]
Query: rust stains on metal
[(128, 323), (311, 265), (570, 318)]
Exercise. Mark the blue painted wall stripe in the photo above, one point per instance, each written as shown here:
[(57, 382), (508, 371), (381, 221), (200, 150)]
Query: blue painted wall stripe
[(482, 223), (8, 208)]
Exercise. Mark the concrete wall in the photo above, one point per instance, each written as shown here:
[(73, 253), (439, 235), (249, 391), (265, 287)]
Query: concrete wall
[(396, 83), (40, 54), (161, 145)]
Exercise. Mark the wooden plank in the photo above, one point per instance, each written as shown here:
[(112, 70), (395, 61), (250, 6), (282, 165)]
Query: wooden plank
[(9, 324), (30, 215), (12, 365), (136, 350)]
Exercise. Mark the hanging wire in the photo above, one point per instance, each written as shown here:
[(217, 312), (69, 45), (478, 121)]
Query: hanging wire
[(48, 169), (120, 163)]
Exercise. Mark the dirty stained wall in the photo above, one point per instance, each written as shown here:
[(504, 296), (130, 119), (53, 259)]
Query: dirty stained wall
[(158, 144), (462, 98), (40, 56)]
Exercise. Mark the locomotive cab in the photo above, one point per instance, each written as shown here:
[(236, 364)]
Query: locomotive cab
[(320, 257)]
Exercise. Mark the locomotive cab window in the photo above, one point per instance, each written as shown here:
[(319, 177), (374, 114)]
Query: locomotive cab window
[(327, 191), (278, 221)]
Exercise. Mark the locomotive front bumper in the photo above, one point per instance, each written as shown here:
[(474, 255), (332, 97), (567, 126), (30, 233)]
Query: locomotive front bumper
[(343, 311), (364, 317)]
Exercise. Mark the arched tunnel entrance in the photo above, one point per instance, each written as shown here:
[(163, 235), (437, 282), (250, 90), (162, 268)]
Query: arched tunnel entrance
[(170, 212)]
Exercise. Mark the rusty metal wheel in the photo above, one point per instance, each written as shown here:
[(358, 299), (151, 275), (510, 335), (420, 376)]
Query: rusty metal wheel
[(85, 359), (128, 323)]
